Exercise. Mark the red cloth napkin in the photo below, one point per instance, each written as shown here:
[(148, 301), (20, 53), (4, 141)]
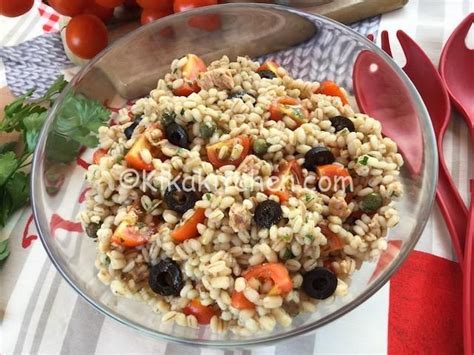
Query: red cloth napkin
[(425, 312)]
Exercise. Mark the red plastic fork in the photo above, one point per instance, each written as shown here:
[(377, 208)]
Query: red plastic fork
[(429, 84), (457, 70)]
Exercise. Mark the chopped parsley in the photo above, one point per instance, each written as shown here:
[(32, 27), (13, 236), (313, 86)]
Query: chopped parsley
[(363, 160), (288, 254), (208, 196)]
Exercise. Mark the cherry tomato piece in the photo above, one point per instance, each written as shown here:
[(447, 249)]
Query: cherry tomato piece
[(214, 151), (289, 173), (183, 5), (150, 15), (109, 3), (133, 157), (14, 8), (130, 235), (239, 301), (276, 272), (330, 88), (98, 154), (333, 177), (288, 106), (334, 241), (190, 72), (202, 313), (189, 229), (269, 65), (86, 35)]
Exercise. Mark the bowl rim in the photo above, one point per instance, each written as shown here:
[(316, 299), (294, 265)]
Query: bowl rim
[(267, 339)]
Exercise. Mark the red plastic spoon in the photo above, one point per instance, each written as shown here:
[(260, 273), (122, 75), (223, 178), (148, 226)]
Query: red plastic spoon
[(457, 70), (431, 88)]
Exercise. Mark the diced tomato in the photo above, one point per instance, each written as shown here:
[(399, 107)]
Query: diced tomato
[(330, 88), (133, 158), (189, 228), (130, 235), (335, 242), (240, 302), (98, 154), (288, 106), (269, 65), (289, 173), (214, 149), (202, 313), (190, 72), (337, 176), (276, 272)]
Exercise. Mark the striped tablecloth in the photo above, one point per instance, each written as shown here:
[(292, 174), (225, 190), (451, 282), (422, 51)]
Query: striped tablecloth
[(417, 312)]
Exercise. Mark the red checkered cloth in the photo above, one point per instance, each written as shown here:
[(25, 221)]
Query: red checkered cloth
[(49, 17)]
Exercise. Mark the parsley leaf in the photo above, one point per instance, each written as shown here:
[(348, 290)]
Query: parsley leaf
[(4, 249), (8, 165), (18, 188), (363, 160), (80, 118), (33, 124), (7, 147), (61, 149)]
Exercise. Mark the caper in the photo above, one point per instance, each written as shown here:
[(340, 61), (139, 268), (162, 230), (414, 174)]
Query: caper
[(260, 146), (207, 129), (371, 202)]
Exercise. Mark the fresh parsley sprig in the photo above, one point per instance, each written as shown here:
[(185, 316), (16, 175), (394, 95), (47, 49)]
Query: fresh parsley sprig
[(76, 124)]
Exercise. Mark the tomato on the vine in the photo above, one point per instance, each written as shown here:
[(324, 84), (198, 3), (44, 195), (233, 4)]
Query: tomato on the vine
[(15, 8), (104, 13), (109, 3), (183, 5), (150, 15), (86, 35), (156, 4), (67, 7)]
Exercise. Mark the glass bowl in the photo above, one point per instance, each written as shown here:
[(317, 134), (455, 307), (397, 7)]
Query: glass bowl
[(309, 47)]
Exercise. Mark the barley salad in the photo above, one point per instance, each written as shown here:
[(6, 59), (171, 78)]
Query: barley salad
[(239, 197)]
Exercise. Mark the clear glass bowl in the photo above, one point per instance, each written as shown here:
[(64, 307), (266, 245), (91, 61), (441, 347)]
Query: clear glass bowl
[(309, 47)]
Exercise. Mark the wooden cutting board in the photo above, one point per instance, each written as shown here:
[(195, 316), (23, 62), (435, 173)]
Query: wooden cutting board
[(345, 11)]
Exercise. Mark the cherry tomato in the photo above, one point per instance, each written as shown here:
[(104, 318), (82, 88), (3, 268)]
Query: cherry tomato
[(183, 5), (202, 313), (68, 7), (207, 22), (156, 4), (150, 15), (133, 157), (104, 13), (335, 177), (130, 3), (109, 3), (213, 151), (14, 8), (86, 35)]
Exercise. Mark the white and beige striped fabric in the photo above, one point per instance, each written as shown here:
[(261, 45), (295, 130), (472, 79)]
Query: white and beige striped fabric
[(40, 313)]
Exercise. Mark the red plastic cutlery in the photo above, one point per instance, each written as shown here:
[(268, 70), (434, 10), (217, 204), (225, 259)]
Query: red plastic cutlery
[(429, 84), (457, 70)]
